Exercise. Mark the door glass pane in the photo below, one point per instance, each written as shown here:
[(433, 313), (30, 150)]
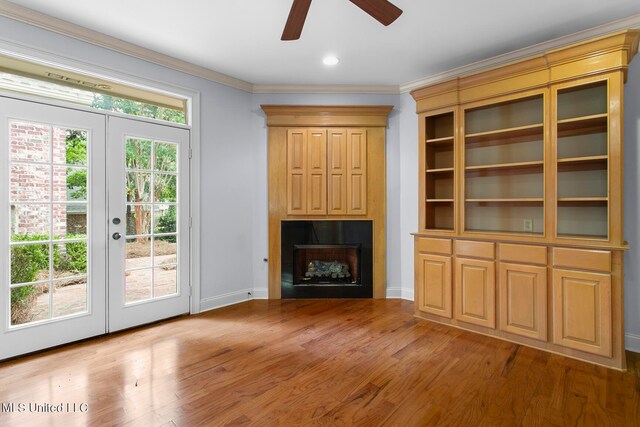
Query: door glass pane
[(39, 175), (138, 220), (152, 206), (69, 297), (165, 250), (165, 281), (166, 156), (138, 154), (138, 187), (165, 218), (166, 187), (29, 304), (138, 285), (30, 222), (138, 253), (70, 184), (30, 182)]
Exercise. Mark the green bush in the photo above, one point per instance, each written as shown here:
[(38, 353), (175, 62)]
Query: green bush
[(167, 224), (75, 257)]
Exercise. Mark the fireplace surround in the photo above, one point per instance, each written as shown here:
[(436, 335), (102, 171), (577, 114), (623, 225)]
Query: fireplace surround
[(327, 259)]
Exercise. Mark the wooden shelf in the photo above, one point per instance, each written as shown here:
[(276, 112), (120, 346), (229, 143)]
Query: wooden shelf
[(583, 201), (582, 125), (439, 200), (511, 200), (444, 140), (583, 163), (505, 168), (440, 170), (506, 136), (493, 231)]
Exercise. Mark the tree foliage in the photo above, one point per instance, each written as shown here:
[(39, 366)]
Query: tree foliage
[(135, 108)]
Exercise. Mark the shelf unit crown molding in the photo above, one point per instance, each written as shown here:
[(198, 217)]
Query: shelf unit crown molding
[(324, 115), (604, 54)]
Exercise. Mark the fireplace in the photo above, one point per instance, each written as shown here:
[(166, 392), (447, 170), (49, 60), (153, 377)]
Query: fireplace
[(327, 259)]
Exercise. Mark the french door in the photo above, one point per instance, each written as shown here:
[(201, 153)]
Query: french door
[(52, 226), (148, 222), (94, 230)]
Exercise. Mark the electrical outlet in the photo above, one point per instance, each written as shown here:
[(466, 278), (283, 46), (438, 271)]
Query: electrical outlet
[(528, 225)]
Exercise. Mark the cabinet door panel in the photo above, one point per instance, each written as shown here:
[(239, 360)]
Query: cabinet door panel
[(582, 311), (475, 292), (317, 172), (523, 300), (357, 171), (337, 170), (434, 277), (296, 171)]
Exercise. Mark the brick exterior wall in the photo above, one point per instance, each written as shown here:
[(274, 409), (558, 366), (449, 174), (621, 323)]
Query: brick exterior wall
[(33, 182)]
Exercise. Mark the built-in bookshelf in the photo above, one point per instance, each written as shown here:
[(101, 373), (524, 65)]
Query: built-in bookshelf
[(504, 167), (582, 161), (439, 172)]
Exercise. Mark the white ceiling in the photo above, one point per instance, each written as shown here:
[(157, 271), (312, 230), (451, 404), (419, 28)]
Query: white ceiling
[(241, 38)]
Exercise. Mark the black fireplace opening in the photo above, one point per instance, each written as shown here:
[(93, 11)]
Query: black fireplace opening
[(327, 259)]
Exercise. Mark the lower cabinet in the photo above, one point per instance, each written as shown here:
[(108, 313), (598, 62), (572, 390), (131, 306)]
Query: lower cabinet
[(434, 278), (523, 300), (582, 311), (563, 298), (475, 291)]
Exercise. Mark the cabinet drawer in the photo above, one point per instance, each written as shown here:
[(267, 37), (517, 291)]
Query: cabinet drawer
[(584, 259), (436, 246), (525, 254), (469, 248)]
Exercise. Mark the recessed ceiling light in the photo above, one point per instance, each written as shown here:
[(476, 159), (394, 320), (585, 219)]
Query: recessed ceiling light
[(330, 60)]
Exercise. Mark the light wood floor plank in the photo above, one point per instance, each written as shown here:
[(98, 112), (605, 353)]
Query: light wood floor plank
[(315, 362)]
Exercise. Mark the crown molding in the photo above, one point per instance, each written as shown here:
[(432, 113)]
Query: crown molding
[(37, 19), (373, 89), (631, 22)]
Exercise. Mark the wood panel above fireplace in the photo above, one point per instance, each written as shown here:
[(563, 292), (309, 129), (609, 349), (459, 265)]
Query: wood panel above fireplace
[(341, 179)]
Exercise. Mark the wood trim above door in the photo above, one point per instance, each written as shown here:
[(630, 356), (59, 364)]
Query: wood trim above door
[(322, 115)]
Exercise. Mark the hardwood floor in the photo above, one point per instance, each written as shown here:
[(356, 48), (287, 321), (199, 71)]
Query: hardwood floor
[(322, 362)]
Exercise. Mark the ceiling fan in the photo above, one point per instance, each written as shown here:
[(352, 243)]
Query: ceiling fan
[(383, 11)]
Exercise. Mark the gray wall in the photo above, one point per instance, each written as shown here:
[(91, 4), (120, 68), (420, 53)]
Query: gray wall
[(632, 206)]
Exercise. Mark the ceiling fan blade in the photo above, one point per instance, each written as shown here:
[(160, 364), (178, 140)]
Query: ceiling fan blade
[(383, 11), (295, 21)]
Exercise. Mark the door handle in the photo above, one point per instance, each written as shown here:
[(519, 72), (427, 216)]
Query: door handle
[(116, 236)]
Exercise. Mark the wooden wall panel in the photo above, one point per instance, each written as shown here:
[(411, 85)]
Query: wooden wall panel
[(297, 171), (337, 170), (317, 172), (356, 171)]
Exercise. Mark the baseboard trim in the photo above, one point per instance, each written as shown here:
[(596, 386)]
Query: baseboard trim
[(224, 300), (407, 294), (260, 293), (394, 292), (632, 342)]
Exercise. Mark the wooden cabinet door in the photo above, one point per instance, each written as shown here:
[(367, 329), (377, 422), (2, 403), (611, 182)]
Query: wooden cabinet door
[(523, 300), (337, 172), (357, 172), (582, 311), (475, 292), (317, 172), (296, 171), (434, 279)]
